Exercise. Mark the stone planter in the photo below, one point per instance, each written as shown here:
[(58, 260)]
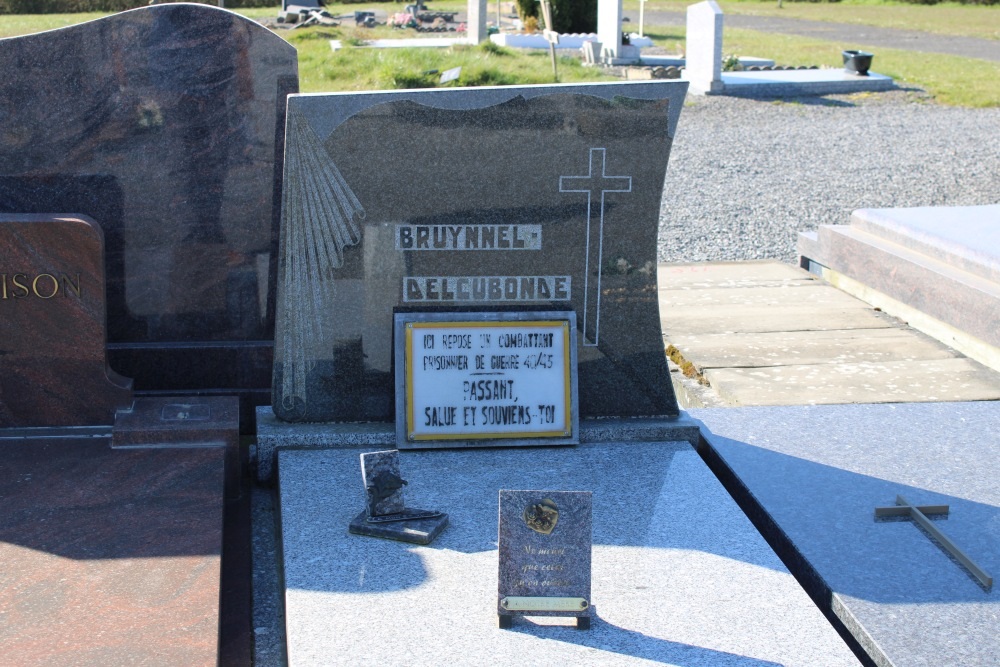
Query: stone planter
[(857, 62)]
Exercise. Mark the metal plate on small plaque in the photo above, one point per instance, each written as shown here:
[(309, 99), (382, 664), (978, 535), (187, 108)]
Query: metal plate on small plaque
[(521, 603)]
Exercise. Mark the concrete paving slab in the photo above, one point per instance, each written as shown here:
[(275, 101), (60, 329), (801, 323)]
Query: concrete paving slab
[(957, 379), (680, 577), (761, 334), (796, 294), (811, 477), (702, 275), (789, 348), (745, 319)]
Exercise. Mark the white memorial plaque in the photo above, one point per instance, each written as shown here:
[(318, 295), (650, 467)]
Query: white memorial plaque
[(463, 379)]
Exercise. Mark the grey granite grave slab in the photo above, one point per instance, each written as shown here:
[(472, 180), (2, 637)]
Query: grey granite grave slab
[(679, 574), (164, 124), (966, 237), (802, 82), (811, 477), (940, 264), (517, 198)]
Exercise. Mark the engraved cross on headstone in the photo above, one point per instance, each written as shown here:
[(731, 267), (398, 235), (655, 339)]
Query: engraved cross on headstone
[(595, 183), (919, 514)]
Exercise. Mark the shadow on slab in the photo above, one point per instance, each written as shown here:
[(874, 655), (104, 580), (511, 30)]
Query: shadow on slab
[(82, 500), (604, 636), (820, 519)]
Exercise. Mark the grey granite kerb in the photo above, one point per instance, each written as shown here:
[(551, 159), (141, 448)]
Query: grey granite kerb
[(274, 435)]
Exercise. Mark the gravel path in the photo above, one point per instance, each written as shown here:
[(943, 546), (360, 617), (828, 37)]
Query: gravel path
[(746, 175)]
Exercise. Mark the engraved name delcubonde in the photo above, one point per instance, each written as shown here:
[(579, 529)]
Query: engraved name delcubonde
[(41, 285), (486, 288)]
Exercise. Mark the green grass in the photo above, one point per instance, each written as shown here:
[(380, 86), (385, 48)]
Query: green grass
[(947, 18), (949, 79), (12, 25), (358, 68)]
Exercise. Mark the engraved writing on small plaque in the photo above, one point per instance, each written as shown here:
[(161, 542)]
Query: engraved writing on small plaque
[(544, 543), (505, 376)]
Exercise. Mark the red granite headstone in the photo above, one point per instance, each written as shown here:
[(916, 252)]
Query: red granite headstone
[(53, 364)]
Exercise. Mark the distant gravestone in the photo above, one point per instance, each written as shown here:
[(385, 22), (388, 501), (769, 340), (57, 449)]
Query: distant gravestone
[(704, 46), (476, 11), (545, 540), (526, 199), (53, 365), (163, 124), (609, 28)]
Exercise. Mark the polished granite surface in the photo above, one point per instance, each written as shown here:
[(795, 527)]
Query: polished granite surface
[(521, 198), (52, 325), (810, 477), (165, 125), (110, 557)]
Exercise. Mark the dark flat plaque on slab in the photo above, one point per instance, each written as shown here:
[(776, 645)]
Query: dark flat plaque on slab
[(490, 199), (415, 531), (545, 540), (53, 365), (165, 125)]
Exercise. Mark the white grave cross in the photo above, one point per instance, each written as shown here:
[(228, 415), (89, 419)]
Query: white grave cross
[(596, 182)]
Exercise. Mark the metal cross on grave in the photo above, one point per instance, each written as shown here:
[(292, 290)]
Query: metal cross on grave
[(595, 183), (919, 515)]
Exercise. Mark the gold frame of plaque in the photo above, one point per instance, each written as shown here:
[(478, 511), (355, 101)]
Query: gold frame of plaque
[(496, 402)]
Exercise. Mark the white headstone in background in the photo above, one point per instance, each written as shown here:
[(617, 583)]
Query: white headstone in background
[(704, 47), (609, 26), (475, 26)]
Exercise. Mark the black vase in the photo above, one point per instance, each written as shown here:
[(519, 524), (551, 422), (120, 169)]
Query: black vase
[(857, 62)]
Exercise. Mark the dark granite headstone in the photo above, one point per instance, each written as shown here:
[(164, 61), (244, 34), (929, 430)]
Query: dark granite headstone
[(534, 198), (53, 366), (545, 540), (165, 125)]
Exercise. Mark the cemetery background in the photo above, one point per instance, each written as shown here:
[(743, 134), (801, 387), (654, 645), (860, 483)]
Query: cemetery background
[(741, 185)]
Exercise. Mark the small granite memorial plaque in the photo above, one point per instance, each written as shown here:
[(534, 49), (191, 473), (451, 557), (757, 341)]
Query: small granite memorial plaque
[(385, 514), (510, 379), (484, 201), (52, 324), (544, 545)]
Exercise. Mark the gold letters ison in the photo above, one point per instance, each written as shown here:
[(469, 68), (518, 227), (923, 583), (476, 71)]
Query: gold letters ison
[(39, 286)]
